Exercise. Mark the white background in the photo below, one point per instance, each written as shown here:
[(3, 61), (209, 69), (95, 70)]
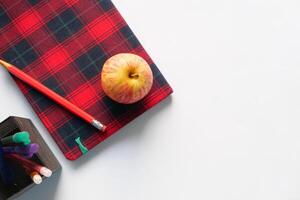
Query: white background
[(231, 129)]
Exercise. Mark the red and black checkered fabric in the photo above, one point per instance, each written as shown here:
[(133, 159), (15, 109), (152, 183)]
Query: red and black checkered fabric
[(64, 44)]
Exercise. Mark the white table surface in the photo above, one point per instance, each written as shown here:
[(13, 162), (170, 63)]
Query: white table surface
[(231, 129)]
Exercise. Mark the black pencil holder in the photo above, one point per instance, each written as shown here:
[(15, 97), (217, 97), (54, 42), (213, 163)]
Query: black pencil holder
[(23, 182)]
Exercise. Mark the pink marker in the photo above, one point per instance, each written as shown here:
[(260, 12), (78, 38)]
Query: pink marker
[(30, 164)]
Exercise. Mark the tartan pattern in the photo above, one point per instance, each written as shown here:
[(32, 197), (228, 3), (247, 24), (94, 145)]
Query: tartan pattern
[(64, 44)]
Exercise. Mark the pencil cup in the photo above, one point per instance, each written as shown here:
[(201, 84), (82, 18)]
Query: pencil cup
[(25, 176)]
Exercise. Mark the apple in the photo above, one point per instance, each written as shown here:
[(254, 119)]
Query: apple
[(126, 78)]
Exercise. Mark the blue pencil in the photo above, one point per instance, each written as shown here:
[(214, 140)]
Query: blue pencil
[(5, 171), (27, 151)]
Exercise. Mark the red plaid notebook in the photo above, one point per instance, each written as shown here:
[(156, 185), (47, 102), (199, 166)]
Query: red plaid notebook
[(64, 44)]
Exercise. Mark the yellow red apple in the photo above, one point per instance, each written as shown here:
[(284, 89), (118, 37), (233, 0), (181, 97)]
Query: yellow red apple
[(126, 78)]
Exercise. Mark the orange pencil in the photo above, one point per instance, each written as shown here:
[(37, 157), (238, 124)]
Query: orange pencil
[(52, 95), (34, 175)]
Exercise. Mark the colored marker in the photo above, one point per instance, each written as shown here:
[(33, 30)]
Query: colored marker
[(20, 137), (28, 151), (30, 164), (34, 175)]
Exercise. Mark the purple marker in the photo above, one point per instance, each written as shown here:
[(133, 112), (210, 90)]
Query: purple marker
[(26, 151), (28, 155)]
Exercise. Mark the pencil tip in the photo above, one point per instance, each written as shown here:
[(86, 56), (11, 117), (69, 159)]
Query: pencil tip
[(5, 64)]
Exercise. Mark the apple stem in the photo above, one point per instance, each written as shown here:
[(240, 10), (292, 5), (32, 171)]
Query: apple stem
[(134, 75)]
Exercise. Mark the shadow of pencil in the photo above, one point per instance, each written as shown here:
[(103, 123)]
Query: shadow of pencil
[(45, 191), (133, 130)]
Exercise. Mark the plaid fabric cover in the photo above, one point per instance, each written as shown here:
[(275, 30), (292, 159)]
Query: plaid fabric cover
[(64, 44)]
